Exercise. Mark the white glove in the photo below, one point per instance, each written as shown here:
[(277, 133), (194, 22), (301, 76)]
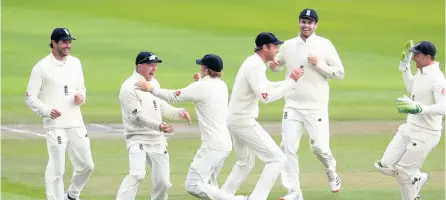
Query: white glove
[(406, 56)]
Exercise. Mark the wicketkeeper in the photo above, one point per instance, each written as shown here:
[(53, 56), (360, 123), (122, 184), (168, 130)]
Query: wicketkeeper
[(421, 133)]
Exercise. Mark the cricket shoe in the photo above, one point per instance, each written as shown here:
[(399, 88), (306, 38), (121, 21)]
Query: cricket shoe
[(67, 197), (334, 181), (293, 196), (420, 183), (240, 197)]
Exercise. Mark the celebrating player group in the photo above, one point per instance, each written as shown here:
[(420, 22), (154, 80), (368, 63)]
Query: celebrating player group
[(56, 90)]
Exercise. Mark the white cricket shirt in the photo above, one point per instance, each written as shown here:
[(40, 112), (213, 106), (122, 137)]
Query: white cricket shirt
[(52, 85), (210, 98), (142, 113), (427, 87), (312, 89), (250, 86)]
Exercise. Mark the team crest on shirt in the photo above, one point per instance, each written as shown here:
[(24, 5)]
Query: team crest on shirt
[(26, 94), (177, 93), (265, 96)]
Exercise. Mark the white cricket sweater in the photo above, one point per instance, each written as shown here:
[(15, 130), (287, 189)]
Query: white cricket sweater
[(250, 86), (428, 88), (52, 85), (142, 113), (312, 90), (210, 98)]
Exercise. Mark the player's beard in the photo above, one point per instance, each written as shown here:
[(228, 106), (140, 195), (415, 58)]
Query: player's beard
[(63, 52), (306, 31)]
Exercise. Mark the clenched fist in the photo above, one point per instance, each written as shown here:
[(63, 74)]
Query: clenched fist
[(297, 73), (166, 128), (78, 99), (312, 60), (274, 64), (55, 113), (197, 76), (185, 115)]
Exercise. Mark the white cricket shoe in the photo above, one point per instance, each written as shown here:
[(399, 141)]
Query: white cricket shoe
[(69, 198), (334, 181), (420, 183), (240, 197), (293, 196)]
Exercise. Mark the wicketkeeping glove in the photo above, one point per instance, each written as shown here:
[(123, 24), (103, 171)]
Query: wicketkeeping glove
[(406, 105), (406, 55)]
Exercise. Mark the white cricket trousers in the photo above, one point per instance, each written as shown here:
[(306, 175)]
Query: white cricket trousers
[(158, 159), (201, 180), (77, 143), (294, 122), (406, 153), (251, 141)]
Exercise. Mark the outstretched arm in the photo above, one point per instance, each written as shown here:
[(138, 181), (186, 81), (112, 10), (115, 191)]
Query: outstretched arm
[(259, 85), (191, 93), (171, 112)]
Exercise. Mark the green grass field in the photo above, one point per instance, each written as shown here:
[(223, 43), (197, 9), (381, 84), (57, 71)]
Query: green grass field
[(367, 34), (23, 173)]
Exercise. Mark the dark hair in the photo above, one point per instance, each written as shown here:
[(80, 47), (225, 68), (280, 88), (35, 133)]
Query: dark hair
[(51, 43), (214, 74), (258, 48)]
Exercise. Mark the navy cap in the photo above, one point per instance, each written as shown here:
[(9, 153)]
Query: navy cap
[(147, 57), (61, 34), (211, 61), (309, 13), (267, 38), (424, 47)]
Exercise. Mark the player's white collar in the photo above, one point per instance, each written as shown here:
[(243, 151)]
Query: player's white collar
[(57, 62), (310, 38), (430, 68)]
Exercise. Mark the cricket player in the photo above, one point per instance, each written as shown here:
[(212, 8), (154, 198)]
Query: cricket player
[(306, 104), (55, 92), (210, 97), (249, 138), (425, 109), (142, 116)]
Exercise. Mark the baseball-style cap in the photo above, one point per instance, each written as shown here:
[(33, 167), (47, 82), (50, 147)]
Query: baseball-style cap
[(424, 47), (309, 13), (267, 38), (211, 61), (147, 57), (61, 34)]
